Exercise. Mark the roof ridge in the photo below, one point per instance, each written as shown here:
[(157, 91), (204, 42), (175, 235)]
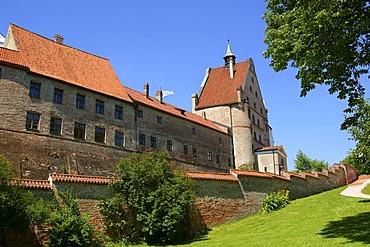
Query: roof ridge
[(50, 40)]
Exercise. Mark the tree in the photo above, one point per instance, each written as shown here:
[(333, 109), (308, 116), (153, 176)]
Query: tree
[(150, 201), (359, 130), (328, 41), (305, 163), (18, 207)]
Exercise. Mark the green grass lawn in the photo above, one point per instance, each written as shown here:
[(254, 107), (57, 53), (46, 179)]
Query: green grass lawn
[(366, 190), (326, 219)]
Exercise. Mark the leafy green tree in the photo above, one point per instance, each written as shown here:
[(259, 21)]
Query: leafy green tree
[(69, 227), (18, 207), (359, 129), (328, 41), (302, 162), (151, 200), (305, 163)]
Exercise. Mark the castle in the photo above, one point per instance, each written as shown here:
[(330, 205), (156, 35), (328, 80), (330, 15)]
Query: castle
[(65, 110)]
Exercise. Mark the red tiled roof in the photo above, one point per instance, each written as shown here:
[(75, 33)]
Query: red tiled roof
[(252, 174), (212, 176), (269, 148), (48, 58), (32, 183), (219, 89), (153, 102), (11, 57), (74, 178)]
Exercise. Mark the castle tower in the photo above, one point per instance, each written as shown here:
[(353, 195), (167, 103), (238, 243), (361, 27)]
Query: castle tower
[(231, 97)]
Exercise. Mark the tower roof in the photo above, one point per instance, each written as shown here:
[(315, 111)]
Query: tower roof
[(219, 89), (229, 53)]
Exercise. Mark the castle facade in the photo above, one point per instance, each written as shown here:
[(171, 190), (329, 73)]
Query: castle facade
[(65, 110)]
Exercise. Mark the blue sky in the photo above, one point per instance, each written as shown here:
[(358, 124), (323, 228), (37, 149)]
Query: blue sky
[(169, 44)]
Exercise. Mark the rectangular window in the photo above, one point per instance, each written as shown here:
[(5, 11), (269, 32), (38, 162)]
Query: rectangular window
[(1, 72), (35, 89), (217, 158), (253, 119), (220, 140), (118, 112), (99, 134), (99, 107), (119, 139), (80, 101), (153, 142), (258, 122), (194, 151), (169, 145), (259, 138), (79, 131), (142, 139), (209, 156), (32, 121), (194, 131), (58, 96), (186, 151), (139, 113), (55, 126), (255, 135), (159, 120)]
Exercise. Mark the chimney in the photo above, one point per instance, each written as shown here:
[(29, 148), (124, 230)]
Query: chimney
[(240, 94), (146, 90), (58, 38), (194, 102), (159, 96)]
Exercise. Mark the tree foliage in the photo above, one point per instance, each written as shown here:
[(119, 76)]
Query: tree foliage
[(18, 207), (150, 202), (305, 163), (69, 226), (328, 41), (359, 130)]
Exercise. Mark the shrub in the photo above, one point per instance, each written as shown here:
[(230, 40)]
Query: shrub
[(151, 200), (69, 227), (275, 201)]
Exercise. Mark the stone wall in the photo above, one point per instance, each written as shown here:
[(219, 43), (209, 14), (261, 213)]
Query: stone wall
[(38, 152), (220, 197)]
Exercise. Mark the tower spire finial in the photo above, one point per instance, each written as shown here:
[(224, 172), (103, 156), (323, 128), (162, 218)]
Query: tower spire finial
[(229, 60)]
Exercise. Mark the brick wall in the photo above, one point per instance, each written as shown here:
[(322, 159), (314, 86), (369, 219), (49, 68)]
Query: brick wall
[(38, 152)]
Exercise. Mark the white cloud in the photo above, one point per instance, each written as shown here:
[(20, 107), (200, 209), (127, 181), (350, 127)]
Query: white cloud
[(167, 93)]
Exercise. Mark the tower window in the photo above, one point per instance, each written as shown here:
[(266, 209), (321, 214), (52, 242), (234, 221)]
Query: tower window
[(80, 101), (35, 89), (55, 126), (33, 120), (153, 142), (118, 112), (99, 107), (186, 151), (169, 145), (142, 139), (99, 134), (79, 131), (58, 96), (139, 113), (119, 139)]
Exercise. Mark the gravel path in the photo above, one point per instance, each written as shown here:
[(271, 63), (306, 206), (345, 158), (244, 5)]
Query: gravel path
[(354, 189)]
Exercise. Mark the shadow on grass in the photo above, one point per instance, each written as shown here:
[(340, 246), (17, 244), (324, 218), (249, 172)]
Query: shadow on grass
[(353, 228)]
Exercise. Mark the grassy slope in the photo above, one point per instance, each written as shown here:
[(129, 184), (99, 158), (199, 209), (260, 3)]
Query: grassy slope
[(366, 190), (326, 219)]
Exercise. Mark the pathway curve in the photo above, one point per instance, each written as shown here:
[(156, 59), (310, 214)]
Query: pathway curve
[(354, 189)]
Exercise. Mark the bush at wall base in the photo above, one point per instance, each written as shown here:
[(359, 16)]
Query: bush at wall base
[(275, 201)]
